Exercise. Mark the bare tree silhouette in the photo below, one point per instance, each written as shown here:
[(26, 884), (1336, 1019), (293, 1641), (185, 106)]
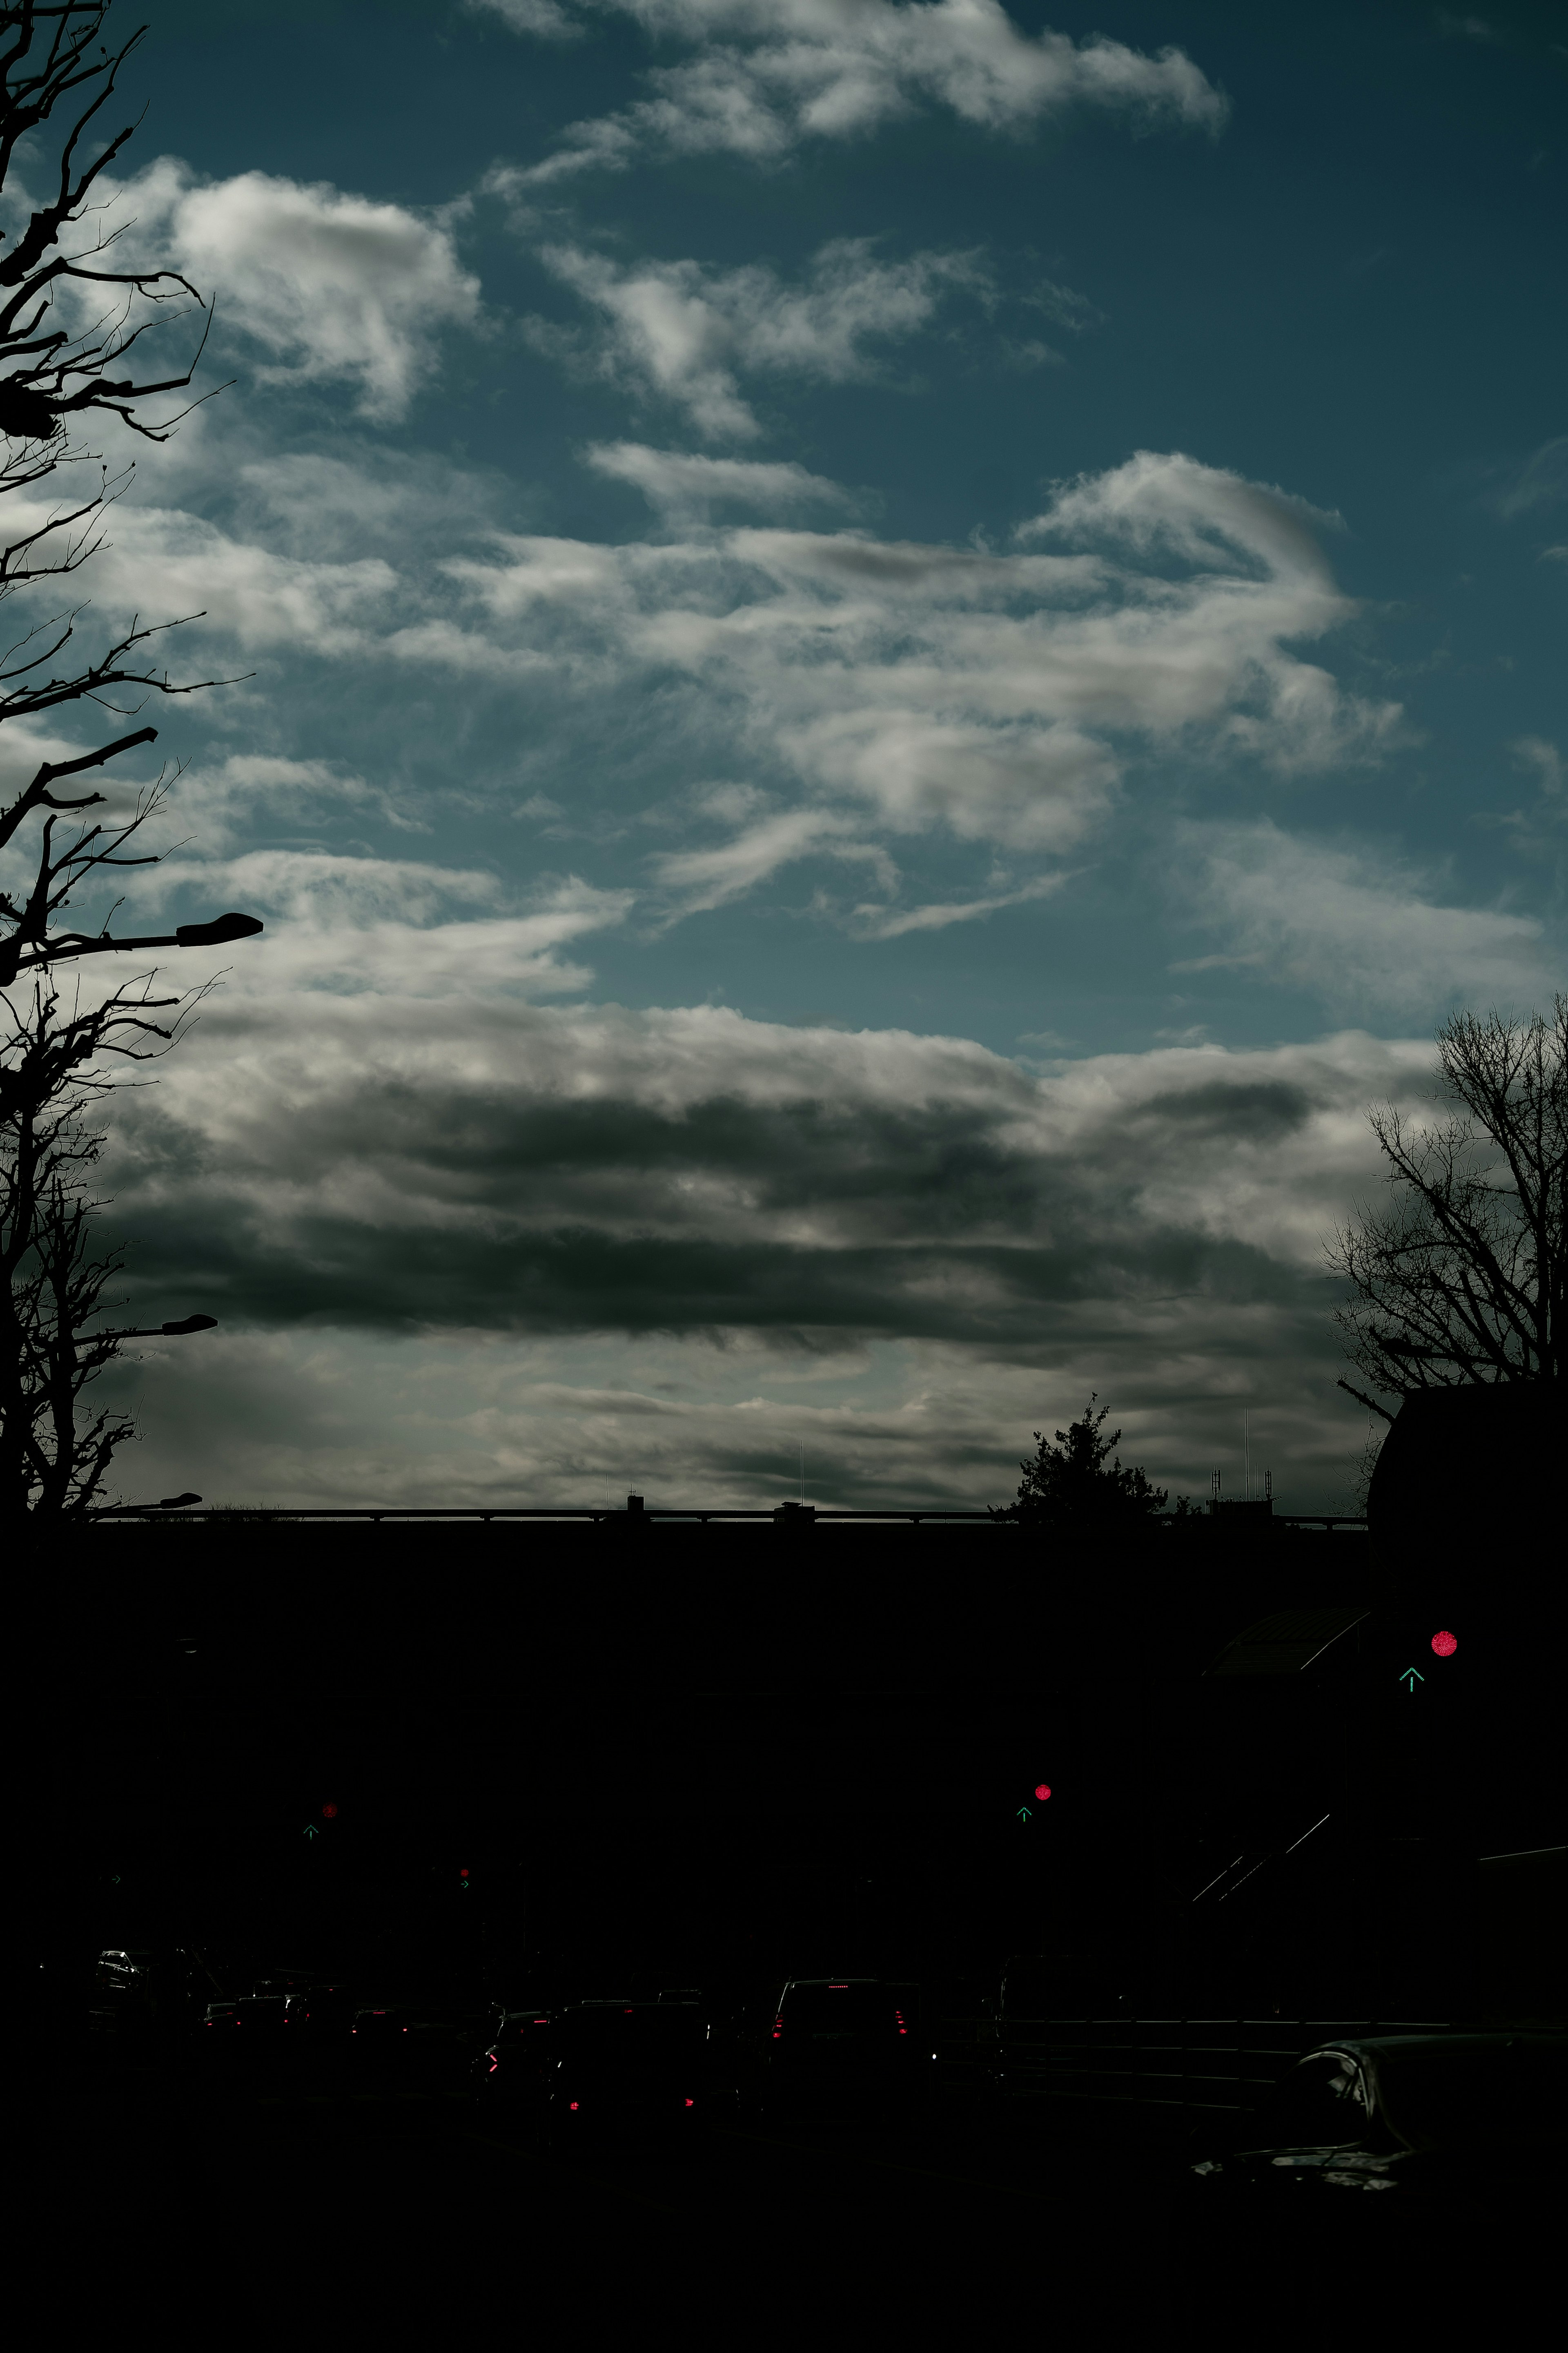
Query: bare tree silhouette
[(69, 319), (1464, 1279)]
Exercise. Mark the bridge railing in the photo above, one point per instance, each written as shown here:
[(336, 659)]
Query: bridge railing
[(789, 1516)]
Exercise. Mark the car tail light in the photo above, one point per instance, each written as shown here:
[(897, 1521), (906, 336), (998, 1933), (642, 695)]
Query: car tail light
[(778, 2028), (691, 2103), (574, 2107)]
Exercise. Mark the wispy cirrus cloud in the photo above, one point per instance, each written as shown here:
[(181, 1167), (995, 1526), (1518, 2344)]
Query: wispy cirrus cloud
[(685, 487), (1001, 696), (1364, 935), (766, 75), (356, 926), (1541, 481)]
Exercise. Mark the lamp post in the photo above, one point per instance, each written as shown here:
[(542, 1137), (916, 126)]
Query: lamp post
[(164, 1331), (215, 934)]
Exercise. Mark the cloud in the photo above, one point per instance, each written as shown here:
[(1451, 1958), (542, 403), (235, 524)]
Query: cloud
[(769, 75), (857, 691), (683, 333), (603, 1215), (220, 800), (335, 287), (543, 18), (1360, 936), (359, 925), (750, 1174), (687, 488), (1466, 28), (1000, 696), (177, 562), (1541, 480), (1536, 831), (701, 879), (1541, 759), (890, 924)]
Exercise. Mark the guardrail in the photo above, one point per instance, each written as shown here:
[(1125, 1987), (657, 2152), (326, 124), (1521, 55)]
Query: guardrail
[(790, 1515), (794, 1515)]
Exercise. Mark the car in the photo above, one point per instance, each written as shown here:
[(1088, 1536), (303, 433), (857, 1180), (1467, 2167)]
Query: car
[(832, 2045), (152, 1992), (605, 2076), (504, 2079), (322, 2011), (1425, 2115)]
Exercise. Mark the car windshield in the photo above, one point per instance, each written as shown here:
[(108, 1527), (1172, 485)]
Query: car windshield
[(1460, 2092), (848, 2009)]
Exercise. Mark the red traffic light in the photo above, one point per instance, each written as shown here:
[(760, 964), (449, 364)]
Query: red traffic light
[(329, 1812), (1444, 1644), (1042, 1789)]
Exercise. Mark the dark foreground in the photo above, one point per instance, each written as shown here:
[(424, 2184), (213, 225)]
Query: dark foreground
[(478, 1760), (216, 2213)]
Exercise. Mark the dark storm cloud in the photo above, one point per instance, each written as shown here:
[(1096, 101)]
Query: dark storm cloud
[(523, 1170)]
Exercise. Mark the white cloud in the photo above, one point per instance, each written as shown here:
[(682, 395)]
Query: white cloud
[(220, 800), (769, 75), (543, 18), (173, 563), (358, 925), (1362, 936), (1001, 696), (890, 924), (685, 333), (337, 287), (1541, 759), (687, 488), (712, 878)]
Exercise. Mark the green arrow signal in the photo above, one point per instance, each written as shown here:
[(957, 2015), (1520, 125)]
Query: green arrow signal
[(1419, 1679), (311, 1831), (1022, 1813)]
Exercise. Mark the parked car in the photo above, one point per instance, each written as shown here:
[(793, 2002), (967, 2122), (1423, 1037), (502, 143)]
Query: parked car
[(319, 2014), (504, 2079), (1428, 2116), (152, 1992), (832, 2045), (604, 2076)]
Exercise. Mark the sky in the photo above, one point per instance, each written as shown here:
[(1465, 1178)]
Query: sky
[(890, 660)]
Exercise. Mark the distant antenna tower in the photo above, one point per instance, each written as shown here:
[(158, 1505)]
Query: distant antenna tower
[(1246, 1461), (1213, 1486), (1269, 1486), (802, 1473)]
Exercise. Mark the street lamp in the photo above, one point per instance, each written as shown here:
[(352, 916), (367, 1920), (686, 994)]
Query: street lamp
[(161, 1331), (215, 934)]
